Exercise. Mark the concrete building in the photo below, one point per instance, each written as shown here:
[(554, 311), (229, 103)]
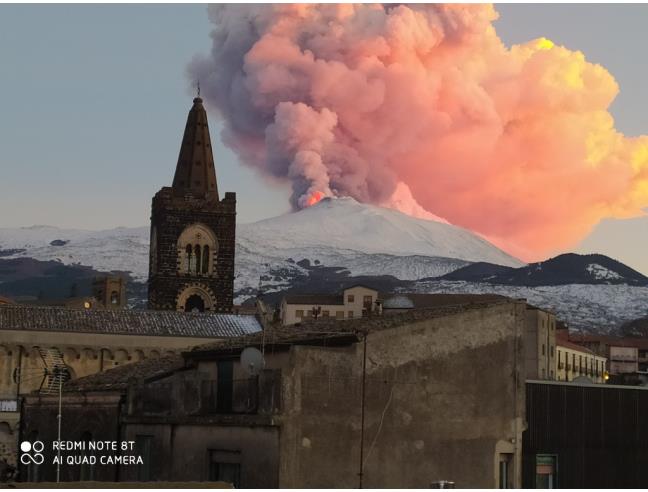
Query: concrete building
[(626, 355), (576, 361), (91, 341), (540, 344), (353, 302), (397, 401), (404, 301)]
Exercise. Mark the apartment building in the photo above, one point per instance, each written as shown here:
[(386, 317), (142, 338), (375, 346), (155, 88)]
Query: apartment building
[(353, 302)]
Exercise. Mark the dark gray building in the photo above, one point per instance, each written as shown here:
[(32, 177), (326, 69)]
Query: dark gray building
[(398, 401)]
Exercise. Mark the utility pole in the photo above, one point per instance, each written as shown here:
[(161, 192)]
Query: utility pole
[(362, 410)]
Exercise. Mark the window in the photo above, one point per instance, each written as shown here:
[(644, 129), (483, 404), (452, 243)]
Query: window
[(543, 349), (225, 466), (197, 250), (367, 301), (198, 253), (350, 298), (350, 314), (552, 350), (189, 258), (143, 449), (546, 471), (224, 385), (299, 313), (114, 297), (506, 471), (339, 314), (205, 260)]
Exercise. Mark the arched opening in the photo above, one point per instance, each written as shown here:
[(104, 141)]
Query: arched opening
[(114, 297), (205, 260), (197, 250), (189, 258), (198, 258), (195, 304)]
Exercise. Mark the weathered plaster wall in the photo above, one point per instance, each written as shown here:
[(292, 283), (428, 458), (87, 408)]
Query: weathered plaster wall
[(443, 397)]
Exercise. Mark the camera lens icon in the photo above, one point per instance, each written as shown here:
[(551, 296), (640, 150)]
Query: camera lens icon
[(32, 452)]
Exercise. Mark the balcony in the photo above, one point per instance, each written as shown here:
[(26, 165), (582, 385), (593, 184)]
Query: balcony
[(259, 394), (189, 397)]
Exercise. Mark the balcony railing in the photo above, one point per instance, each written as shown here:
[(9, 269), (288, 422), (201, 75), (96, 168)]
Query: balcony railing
[(237, 396), (255, 395)]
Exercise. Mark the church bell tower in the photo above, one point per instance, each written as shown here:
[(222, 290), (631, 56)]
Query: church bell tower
[(191, 263)]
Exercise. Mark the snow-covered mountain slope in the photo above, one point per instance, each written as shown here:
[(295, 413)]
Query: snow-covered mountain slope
[(121, 249), (597, 308), (345, 224), (568, 268), (364, 239)]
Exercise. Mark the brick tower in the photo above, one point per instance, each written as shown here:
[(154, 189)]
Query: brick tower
[(191, 263)]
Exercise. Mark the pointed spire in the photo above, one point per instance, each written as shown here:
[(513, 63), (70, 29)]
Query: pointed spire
[(195, 172)]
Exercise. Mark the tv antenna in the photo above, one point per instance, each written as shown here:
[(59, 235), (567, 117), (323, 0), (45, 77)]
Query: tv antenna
[(53, 375), (252, 361)]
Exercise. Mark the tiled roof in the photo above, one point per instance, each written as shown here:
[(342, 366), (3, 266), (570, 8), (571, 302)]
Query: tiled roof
[(315, 299), (314, 332), (331, 330), (126, 322), (119, 378), (561, 342), (422, 301)]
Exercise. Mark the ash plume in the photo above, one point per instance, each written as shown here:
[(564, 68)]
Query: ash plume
[(423, 108)]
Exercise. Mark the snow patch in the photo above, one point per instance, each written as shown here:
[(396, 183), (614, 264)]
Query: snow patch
[(600, 272)]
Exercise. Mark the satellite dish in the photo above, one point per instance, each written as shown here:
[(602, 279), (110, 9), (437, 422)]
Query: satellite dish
[(252, 361)]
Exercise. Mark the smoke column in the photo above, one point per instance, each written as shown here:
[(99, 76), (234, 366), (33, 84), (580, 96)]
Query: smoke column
[(424, 109)]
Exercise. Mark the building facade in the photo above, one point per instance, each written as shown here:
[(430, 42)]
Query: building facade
[(353, 302), (191, 264), (90, 341), (575, 361), (398, 401), (540, 344)]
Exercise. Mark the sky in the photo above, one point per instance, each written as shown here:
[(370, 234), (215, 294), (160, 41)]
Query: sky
[(94, 99)]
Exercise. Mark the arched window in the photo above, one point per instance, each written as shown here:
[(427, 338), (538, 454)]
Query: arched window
[(114, 297), (198, 258), (205, 260), (189, 259), (197, 250)]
